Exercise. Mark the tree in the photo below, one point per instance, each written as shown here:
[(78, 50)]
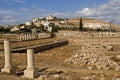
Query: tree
[(32, 25), (80, 25), (52, 33), (41, 27), (55, 28)]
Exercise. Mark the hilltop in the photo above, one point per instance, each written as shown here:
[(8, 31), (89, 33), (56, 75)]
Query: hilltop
[(47, 23)]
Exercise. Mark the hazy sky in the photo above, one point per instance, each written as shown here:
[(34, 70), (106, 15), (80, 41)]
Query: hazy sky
[(18, 11)]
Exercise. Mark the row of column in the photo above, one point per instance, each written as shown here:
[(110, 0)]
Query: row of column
[(98, 35), (25, 37), (30, 72), (105, 35)]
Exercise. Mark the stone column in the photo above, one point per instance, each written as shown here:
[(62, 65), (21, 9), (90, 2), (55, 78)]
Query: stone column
[(25, 37), (34, 36), (31, 36), (31, 71), (20, 37), (8, 68), (28, 38)]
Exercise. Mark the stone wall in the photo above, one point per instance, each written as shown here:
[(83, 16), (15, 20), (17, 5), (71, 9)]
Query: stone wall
[(43, 47)]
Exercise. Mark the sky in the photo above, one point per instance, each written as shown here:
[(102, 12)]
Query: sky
[(20, 11)]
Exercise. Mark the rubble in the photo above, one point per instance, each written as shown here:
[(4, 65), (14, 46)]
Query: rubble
[(108, 47), (88, 58), (118, 57)]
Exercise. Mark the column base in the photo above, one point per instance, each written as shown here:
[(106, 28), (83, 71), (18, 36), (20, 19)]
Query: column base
[(31, 73), (10, 70)]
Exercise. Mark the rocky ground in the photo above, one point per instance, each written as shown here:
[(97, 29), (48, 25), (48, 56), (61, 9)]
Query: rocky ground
[(76, 61)]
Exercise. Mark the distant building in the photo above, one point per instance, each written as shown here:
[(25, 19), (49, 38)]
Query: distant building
[(50, 17), (63, 22), (28, 23), (43, 21), (35, 20), (93, 25), (22, 27), (15, 28), (48, 26), (38, 21)]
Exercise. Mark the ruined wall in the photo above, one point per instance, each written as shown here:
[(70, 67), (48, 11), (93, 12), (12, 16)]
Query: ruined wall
[(43, 47)]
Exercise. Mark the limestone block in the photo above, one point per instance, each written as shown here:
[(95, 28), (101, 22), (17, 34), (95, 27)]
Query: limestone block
[(118, 57), (31, 73), (10, 70)]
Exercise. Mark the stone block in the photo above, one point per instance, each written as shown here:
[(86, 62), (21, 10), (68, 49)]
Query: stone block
[(31, 73), (10, 70)]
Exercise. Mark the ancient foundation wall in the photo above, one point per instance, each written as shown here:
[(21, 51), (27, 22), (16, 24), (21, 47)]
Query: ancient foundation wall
[(43, 47)]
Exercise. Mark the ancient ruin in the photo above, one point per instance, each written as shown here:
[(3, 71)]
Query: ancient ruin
[(88, 56), (29, 36), (8, 67), (31, 71)]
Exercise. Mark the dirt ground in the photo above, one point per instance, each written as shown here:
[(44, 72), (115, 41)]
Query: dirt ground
[(52, 66)]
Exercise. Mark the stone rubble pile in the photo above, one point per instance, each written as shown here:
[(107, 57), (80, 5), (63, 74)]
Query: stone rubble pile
[(88, 58)]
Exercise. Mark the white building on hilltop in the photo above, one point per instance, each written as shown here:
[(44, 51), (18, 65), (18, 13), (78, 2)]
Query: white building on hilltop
[(38, 21), (35, 20), (27, 23), (15, 28), (48, 26), (50, 17)]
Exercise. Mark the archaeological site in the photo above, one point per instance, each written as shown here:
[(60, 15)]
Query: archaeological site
[(70, 55), (59, 39)]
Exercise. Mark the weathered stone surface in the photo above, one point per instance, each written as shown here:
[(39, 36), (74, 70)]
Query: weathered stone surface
[(88, 57), (31, 71), (108, 47), (8, 67), (118, 57)]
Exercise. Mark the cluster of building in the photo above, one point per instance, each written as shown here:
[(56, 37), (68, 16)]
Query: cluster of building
[(51, 21), (46, 22)]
